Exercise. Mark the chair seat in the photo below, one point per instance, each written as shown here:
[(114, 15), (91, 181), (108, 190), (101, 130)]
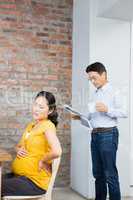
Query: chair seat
[(48, 195)]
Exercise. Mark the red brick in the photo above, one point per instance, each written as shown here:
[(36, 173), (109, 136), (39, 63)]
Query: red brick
[(57, 37), (10, 12), (36, 54), (41, 34), (52, 77), (7, 6)]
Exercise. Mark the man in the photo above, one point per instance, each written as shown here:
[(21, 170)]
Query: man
[(104, 111)]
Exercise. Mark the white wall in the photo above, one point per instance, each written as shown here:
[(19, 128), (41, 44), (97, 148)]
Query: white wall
[(107, 41), (110, 44), (80, 152), (105, 5), (131, 110), (117, 9)]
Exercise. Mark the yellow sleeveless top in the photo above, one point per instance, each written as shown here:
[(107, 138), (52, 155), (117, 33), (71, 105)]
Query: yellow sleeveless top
[(36, 144)]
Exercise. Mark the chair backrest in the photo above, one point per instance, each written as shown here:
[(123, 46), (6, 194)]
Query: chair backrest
[(55, 166), (48, 194)]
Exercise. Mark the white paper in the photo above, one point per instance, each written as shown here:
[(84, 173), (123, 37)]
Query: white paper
[(72, 110), (84, 120)]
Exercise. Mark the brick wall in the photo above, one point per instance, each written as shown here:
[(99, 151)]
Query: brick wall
[(35, 54)]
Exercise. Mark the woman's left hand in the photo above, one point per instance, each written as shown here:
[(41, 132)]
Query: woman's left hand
[(43, 165)]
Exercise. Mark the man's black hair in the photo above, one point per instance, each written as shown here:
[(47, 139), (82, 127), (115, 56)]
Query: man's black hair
[(96, 67)]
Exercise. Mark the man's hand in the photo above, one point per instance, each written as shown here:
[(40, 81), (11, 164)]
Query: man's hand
[(21, 152), (101, 107), (43, 165), (75, 117)]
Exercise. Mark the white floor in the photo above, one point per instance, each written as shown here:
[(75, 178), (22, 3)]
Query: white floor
[(68, 194)]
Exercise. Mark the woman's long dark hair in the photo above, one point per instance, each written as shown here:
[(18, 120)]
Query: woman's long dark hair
[(51, 104)]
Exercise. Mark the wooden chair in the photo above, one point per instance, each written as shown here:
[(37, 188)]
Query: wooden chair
[(48, 194)]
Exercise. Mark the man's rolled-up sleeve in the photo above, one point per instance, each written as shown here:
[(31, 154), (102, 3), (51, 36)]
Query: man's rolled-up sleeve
[(119, 107)]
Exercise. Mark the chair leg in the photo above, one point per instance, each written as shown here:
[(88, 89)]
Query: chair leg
[(0, 177)]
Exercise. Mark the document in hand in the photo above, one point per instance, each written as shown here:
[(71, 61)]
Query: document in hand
[(84, 120)]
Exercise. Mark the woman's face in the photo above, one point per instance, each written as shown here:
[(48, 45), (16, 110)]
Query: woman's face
[(40, 109)]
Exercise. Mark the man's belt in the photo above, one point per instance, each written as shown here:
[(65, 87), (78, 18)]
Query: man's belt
[(102, 129)]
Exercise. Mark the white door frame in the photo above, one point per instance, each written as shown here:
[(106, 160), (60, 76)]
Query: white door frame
[(131, 109)]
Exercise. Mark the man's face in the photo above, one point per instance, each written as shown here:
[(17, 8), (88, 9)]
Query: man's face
[(98, 80)]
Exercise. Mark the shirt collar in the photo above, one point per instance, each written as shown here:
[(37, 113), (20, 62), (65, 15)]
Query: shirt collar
[(103, 88)]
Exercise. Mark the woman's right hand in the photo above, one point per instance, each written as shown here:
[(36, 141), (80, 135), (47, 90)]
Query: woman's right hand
[(21, 152), (44, 165)]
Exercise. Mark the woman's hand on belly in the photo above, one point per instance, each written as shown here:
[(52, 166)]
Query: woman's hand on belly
[(21, 152), (44, 166)]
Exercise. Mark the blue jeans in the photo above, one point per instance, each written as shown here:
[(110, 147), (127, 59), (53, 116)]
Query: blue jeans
[(103, 149)]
